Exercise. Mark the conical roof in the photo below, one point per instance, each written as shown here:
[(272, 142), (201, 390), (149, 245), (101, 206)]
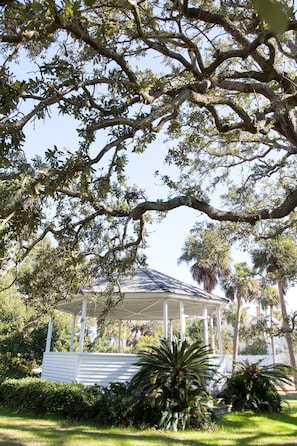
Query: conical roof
[(148, 280), (141, 296)]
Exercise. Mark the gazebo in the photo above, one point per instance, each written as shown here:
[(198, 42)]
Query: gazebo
[(146, 295)]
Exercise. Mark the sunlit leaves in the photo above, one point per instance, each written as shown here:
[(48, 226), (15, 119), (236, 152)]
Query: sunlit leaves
[(117, 76), (207, 251), (277, 256)]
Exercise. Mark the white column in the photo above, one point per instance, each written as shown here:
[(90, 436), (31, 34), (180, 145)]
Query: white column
[(212, 340), (82, 325), (72, 332), (171, 330), (165, 319), (219, 329), (182, 321), (49, 335), (205, 327), (120, 336)]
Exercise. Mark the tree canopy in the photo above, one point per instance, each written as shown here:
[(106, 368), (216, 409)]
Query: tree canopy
[(209, 81)]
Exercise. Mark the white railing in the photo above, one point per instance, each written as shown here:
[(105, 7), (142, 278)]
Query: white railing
[(265, 360), (104, 368), (88, 368)]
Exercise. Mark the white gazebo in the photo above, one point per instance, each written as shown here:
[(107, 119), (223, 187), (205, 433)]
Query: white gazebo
[(146, 295)]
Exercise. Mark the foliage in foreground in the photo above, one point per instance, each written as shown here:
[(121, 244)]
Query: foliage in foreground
[(107, 406), (253, 387), (173, 376), (169, 392)]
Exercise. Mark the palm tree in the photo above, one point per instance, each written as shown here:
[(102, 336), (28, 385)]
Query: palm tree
[(209, 254), (240, 286), (270, 298), (173, 374), (278, 259)]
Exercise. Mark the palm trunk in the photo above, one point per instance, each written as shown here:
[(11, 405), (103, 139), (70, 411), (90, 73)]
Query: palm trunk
[(236, 333), (271, 336), (286, 329)]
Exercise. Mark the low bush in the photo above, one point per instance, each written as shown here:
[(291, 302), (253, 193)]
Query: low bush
[(115, 405), (118, 405), (254, 387), (39, 395)]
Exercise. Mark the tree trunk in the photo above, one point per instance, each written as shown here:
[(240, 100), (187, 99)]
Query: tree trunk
[(272, 336), (236, 333), (286, 329)]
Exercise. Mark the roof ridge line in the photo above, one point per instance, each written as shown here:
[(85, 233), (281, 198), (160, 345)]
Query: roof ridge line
[(148, 272)]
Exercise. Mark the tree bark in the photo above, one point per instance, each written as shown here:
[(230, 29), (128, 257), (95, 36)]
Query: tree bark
[(287, 206), (236, 334), (286, 329), (272, 336)]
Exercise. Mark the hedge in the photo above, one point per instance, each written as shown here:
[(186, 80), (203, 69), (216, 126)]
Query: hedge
[(108, 406)]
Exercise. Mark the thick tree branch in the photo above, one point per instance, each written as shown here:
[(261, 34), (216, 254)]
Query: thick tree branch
[(288, 205)]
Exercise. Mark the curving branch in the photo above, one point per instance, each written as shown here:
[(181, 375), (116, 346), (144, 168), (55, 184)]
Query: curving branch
[(288, 205)]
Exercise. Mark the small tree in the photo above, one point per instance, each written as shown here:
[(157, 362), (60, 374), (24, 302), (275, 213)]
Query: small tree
[(23, 332)]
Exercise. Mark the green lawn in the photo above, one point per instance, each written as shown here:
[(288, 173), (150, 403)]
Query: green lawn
[(234, 429)]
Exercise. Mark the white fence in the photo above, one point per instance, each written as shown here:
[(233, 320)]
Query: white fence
[(104, 368), (88, 368), (265, 360)]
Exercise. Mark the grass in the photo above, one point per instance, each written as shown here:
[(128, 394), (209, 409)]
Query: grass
[(233, 429)]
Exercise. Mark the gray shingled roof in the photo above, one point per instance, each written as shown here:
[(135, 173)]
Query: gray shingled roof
[(143, 297), (148, 280)]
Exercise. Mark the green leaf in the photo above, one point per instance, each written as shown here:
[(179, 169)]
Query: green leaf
[(272, 13)]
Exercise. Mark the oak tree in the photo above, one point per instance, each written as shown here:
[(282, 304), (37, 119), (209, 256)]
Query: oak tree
[(207, 83)]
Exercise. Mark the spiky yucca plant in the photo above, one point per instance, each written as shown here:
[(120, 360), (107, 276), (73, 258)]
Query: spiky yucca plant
[(173, 375)]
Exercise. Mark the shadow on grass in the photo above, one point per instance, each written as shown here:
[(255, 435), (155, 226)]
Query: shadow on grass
[(50, 430), (244, 429), (99, 437), (256, 429)]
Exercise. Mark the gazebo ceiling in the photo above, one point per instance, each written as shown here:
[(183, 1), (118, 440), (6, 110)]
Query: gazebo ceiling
[(141, 297)]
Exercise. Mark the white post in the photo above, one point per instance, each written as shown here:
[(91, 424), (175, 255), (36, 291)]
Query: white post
[(120, 336), (171, 330), (165, 319), (205, 327), (72, 332), (212, 340), (49, 335), (219, 328), (182, 321), (82, 325)]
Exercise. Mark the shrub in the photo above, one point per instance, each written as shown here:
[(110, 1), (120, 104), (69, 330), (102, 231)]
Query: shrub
[(176, 399), (118, 405), (172, 376), (115, 405), (253, 387), (73, 400)]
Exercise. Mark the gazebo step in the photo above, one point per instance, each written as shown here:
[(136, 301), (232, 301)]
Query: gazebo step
[(222, 409)]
